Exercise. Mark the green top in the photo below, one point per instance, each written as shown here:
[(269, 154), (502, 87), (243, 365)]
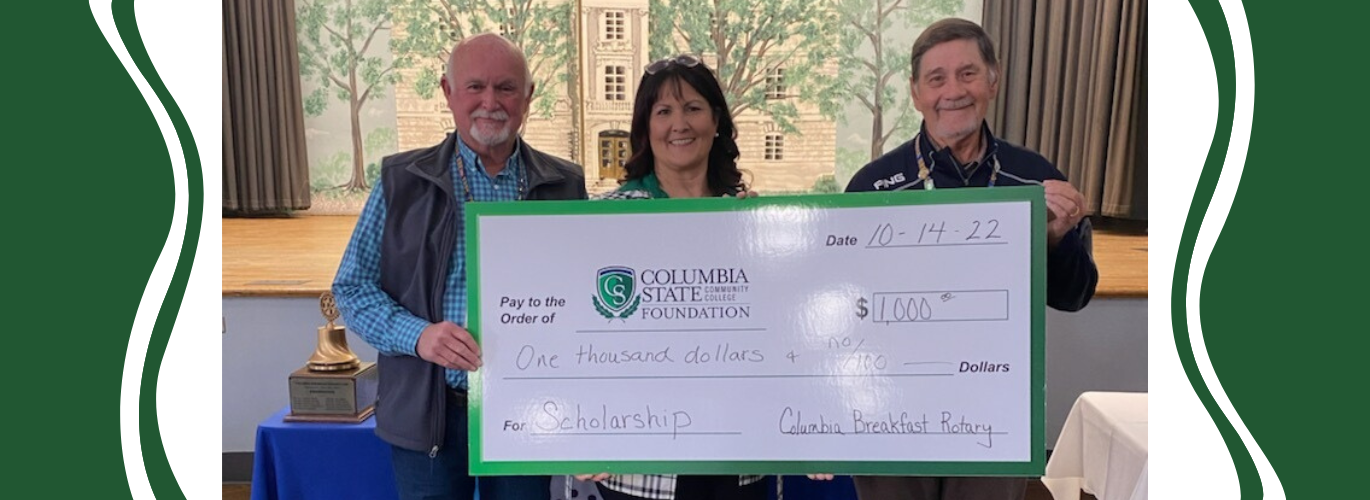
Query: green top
[(647, 187), (647, 184)]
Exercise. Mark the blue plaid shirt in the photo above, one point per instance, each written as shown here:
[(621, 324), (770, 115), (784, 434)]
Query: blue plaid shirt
[(372, 313)]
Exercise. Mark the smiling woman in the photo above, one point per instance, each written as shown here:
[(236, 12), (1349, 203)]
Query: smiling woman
[(685, 146), (683, 137), (682, 129)]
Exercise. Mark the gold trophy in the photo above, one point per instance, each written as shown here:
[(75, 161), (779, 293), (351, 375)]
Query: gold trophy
[(332, 355), (333, 386)]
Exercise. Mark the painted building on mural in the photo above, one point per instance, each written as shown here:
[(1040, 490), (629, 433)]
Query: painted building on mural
[(616, 48), (614, 53), (612, 49)]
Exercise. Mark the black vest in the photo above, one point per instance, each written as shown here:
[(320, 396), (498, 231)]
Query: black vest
[(423, 221)]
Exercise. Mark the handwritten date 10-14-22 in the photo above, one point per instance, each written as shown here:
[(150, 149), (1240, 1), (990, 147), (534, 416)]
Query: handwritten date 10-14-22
[(935, 233)]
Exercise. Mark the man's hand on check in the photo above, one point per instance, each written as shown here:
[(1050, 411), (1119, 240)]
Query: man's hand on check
[(449, 345), (1065, 208), (593, 477)]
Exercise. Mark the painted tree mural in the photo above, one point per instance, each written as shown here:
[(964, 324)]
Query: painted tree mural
[(754, 40), (336, 50), (873, 57), (542, 28)]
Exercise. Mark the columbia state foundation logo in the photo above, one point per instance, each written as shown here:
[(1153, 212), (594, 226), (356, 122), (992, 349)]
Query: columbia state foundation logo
[(688, 294), (617, 295)]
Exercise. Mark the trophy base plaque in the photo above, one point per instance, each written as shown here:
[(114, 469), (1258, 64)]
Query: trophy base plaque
[(344, 396)]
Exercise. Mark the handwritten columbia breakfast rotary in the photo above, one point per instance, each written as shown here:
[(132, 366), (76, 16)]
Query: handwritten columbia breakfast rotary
[(577, 418)]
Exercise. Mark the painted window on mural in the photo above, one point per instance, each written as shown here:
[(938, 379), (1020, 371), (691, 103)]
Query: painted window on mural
[(775, 83), (775, 147), (508, 27), (614, 25), (615, 83)]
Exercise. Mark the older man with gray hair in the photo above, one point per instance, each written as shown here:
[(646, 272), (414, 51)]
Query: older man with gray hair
[(955, 76), (402, 281)]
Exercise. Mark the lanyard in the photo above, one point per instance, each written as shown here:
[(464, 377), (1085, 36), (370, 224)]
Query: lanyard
[(925, 171), (466, 185)]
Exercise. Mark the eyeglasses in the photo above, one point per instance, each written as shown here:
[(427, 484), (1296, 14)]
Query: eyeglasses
[(684, 60)]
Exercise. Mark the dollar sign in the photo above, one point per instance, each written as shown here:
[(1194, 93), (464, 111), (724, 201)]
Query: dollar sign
[(861, 310)]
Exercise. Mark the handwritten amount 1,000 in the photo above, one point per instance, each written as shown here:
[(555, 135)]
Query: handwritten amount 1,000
[(931, 233), (911, 308)]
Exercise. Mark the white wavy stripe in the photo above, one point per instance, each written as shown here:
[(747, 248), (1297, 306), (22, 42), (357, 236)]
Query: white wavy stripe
[(160, 281), (1212, 226)]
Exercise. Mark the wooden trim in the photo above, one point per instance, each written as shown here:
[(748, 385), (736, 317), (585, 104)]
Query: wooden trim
[(298, 256)]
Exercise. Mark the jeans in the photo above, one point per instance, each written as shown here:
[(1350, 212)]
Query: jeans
[(446, 476)]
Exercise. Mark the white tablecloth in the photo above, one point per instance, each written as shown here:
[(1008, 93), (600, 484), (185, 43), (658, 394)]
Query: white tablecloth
[(1102, 449)]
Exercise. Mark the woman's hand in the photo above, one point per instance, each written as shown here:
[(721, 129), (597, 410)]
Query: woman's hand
[(820, 477), (593, 477), (745, 194)]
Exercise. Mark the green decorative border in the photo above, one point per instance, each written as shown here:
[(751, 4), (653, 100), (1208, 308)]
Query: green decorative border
[(155, 461), (1034, 467), (1215, 28)]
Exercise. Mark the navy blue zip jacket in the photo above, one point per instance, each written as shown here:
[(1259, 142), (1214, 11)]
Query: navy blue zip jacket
[(1071, 273)]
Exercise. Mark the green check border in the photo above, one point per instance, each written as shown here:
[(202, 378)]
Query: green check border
[(1035, 466)]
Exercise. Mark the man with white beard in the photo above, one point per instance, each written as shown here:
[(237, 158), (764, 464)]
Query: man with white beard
[(955, 76), (402, 281)]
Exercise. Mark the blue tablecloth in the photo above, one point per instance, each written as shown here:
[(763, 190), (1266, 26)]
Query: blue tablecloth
[(300, 461)]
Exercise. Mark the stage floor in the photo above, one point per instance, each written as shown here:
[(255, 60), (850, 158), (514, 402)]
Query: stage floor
[(297, 257)]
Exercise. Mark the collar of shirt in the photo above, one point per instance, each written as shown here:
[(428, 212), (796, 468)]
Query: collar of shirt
[(944, 156), (648, 183), (475, 166)]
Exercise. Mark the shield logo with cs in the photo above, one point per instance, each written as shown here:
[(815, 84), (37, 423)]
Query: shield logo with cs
[(616, 295)]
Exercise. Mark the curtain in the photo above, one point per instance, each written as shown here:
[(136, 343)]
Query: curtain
[(1073, 88), (266, 169)]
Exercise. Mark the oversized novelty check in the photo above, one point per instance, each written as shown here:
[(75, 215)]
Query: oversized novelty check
[(875, 333)]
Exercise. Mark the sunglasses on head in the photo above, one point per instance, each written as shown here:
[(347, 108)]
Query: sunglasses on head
[(684, 60)]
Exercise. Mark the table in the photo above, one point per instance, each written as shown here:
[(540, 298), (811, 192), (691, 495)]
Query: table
[(301, 460), (1102, 449)]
